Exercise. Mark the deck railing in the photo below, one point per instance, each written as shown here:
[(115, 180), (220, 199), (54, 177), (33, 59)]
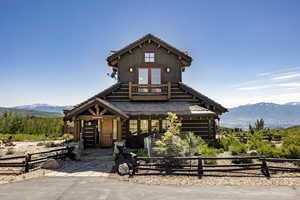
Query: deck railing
[(149, 91)]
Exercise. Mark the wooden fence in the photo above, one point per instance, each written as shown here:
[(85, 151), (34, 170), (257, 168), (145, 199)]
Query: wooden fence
[(197, 166), (30, 161)]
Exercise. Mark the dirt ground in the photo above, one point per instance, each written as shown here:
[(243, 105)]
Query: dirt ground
[(21, 148)]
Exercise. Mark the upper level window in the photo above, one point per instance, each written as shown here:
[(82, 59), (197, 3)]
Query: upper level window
[(149, 57)]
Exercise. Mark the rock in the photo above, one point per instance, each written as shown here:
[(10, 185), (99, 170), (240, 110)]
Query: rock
[(123, 169), (253, 153), (40, 144), (51, 164)]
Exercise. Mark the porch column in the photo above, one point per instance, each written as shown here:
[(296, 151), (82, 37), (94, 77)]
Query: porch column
[(76, 129), (119, 123), (209, 128)]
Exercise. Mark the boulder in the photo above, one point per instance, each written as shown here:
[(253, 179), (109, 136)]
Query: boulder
[(51, 164), (253, 153)]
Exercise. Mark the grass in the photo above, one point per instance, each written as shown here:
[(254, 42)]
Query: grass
[(26, 137)]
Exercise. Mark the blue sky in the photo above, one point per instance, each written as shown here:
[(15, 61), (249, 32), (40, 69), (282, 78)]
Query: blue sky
[(243, 51)]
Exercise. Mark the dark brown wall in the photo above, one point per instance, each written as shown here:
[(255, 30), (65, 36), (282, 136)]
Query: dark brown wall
[(163, 59)]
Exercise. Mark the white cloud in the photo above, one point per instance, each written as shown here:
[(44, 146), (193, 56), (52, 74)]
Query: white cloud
[(286, 76), (255, 87)]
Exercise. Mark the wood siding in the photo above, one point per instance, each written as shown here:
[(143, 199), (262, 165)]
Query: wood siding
[(203, 128), (163, 59)]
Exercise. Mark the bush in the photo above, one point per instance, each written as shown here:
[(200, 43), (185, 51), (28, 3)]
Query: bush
[(10, 151), (291, 151), (142, 153), (226, 141), (238, 148), (67, 137), (269, 151), (242, 161), (209, 152)]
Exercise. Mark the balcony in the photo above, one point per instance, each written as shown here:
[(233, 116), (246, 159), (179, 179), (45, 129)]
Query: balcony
[(149, 92)]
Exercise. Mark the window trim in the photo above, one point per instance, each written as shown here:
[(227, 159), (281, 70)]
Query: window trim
[(149, 52), (150, 73)]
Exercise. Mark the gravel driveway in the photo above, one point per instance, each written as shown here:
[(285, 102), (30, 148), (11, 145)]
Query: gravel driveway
[(64, 188)]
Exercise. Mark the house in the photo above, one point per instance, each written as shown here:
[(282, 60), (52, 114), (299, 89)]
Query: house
[(149, 74)]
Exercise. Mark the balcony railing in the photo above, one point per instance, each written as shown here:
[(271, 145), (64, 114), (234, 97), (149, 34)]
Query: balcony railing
[(144, 92)]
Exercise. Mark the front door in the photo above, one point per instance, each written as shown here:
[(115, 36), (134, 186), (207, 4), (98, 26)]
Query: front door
[(107, 133)]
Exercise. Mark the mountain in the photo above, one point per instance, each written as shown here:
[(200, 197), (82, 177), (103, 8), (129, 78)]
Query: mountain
[(274, 115), (43, 108), (293, 103), (29, 112)]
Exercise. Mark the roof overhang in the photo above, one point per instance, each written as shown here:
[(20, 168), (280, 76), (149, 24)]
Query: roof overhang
[(92, 102), (185, 59)]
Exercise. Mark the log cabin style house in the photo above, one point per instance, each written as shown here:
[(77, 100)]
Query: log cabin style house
[(149, 74)]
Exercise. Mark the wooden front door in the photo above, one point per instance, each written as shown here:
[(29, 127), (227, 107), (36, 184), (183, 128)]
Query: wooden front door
[(107, 133)]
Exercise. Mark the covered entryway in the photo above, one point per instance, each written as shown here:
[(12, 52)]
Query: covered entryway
[(97, 122)]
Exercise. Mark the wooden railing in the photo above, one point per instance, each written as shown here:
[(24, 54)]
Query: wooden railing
[(149, 91), (31, 161), (198, 165)]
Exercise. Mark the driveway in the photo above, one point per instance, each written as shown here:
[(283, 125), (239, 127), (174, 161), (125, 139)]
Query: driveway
[(59, 188)]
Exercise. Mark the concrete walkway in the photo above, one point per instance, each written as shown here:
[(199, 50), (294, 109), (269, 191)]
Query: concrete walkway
[(94, 162), (71, 188)]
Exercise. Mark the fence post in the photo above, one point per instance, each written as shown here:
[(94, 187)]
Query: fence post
[(27, 162), (200, 167), (265, 168)]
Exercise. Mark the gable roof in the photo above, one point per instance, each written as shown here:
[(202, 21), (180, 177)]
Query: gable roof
[(92, 102), (149, 37), (197, 94)]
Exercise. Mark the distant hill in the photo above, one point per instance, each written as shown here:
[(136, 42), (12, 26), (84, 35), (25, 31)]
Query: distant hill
[(43, 108), (30, 112), (275, 115)]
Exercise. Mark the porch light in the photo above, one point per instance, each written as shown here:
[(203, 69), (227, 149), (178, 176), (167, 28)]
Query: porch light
[(168, 69), (130, 69)]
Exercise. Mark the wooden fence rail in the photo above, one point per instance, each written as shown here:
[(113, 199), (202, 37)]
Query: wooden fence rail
[(30, 160), (196, 165)]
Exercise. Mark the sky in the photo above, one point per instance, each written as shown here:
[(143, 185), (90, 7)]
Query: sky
[(243, 52)]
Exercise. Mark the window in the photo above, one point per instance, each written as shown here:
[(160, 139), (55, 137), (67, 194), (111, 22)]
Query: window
[(154, 126), (133, 126), (164, 125), (143, 75), (149, 57), (149, 75), (144, 126), (155, 76)]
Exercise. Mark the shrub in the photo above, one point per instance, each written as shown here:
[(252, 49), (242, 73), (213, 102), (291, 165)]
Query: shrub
[(269, 151), (10, 151), (208, 152), (238, 148), (291, 151), (242, 161), (142, 153), (226, 141), (67, 137)]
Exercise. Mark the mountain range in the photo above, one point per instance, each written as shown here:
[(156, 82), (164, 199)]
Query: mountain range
[(43, 108), (29, 112), (274, 115)]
